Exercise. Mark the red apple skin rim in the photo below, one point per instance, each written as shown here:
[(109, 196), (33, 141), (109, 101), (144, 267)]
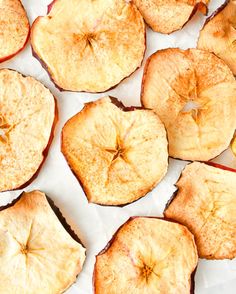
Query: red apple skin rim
[(3, 59)]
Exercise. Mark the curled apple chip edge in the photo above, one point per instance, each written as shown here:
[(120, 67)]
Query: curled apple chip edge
[(104, 158), (186, 78), (218, 34), (99, 76), (34, 232), (7, 128), (167, 17), (211, 221), (10, 47), (137, 256)]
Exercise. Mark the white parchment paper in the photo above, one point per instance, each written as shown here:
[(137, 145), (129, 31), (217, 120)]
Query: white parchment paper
[(95, 225)]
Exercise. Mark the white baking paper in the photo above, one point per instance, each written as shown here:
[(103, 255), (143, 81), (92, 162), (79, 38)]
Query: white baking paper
[(94, 224)]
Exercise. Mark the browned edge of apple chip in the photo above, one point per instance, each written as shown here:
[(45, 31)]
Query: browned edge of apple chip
[(57, 212), (217, 11), (192, 286), (26, 41), (124, 108), (44, 65), (46, 150)]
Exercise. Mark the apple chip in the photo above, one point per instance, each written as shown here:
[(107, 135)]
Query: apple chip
[(38, 255), (27, 119), (147, 255), (206, 203), (14, 28), (89, 45), (118, 154), (218, 35), (171, 15), (194, 94)]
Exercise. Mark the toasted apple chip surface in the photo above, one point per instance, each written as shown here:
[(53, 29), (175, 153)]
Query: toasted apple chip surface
[(147, 255), (14, 28), (27, 117), (218, 35), (206, 204), (90, 45), (194, 94), (37, 254), (167, 16), (118, 155)]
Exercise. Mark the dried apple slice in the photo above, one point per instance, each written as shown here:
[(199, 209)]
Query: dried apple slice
[(38, 255), (147, 255), (171, 15), (89, 45), (206, 203), (118, 154), (14, 28), (218, 35), (194, 94), (27, 119)]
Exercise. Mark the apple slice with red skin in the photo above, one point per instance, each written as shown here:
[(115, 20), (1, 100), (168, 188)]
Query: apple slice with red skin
[(85, 45), (147, 255), (170, 15), (205, 202), (118, 154), (218, 34), (39, 251), (28, 115), (14, 28), (196, 106)]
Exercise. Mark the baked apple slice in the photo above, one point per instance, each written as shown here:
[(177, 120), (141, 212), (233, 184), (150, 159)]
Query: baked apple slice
[(14, 28), (147, 255), (118, 154), (194, 94), (218, 35), (171, 15), (89, 45), (38, 255), (27, 119), (206, 203)]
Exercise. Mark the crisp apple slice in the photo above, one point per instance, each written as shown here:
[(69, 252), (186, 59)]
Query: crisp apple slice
[(27, 119), (218, 35), (118, 154), (14, 28), (206, 204), (194, 94), (147, 255), (89, 45), (171, 15), (38, 255)]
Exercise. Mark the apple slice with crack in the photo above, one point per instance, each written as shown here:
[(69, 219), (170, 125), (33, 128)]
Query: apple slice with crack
[(27, 119), (118, 154), (38, 255), (89, 45), (218, 34), (194, 94), (206, 203), (171, 15), (14, 28), (147, 255)]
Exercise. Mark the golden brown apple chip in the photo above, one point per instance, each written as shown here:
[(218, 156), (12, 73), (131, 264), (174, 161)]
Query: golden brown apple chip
[(38, 255), (206, 203), (89, 45), (147, 255), (167, 16), (194, 94), (27, 118), (14, 28), (118, 154), (218, 35)]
